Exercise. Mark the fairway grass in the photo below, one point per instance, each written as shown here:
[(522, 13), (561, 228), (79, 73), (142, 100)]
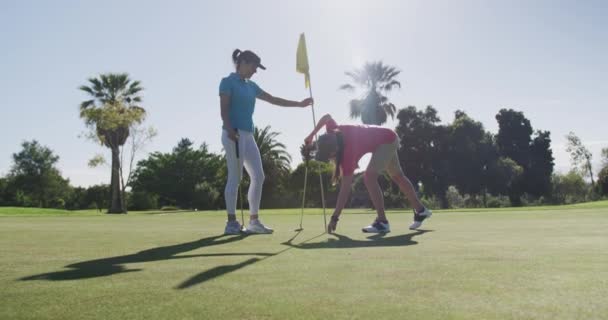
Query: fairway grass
[(525, 263)]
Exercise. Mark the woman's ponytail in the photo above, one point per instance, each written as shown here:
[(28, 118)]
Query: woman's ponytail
[(235, 56)]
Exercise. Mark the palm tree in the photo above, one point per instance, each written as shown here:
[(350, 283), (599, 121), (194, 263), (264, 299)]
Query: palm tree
[(273, 153), (276, 163), (111, 112), (376, 79)]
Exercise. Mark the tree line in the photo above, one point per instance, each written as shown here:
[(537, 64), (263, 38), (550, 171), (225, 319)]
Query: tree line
[(453, 165), (458, 164)]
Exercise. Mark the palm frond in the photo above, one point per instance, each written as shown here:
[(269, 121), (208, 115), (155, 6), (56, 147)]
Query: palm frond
[(87, 90), (347, 87), (390, 85), (273, 152), (373, 78), (87, 104), (355, 108)]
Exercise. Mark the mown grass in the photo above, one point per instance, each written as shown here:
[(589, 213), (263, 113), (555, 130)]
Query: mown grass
[(533, 263)]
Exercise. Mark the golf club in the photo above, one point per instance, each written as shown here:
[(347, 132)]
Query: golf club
[(236, 142), (303, 198)]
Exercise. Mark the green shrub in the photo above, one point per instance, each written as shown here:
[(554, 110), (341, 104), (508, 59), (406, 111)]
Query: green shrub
[(497, 201), (455, 200), (206, 196), (57, 203), (141, 200)]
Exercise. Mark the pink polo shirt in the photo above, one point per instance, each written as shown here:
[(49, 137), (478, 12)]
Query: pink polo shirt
[(359, 140)]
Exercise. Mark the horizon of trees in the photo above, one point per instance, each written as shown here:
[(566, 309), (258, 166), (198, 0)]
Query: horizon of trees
[(458, 164)]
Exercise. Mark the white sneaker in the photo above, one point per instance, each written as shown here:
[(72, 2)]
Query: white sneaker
[(232, 227), (256, 226), (419, 217), (377, 227)]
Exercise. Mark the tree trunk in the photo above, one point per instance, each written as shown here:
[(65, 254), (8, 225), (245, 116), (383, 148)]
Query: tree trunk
[(116, 204), (589, 168), (443, 200)]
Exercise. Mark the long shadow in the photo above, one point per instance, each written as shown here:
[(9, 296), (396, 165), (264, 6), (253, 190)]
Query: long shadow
[(114, 265), (221, 270), (378, 240), (216, 272)]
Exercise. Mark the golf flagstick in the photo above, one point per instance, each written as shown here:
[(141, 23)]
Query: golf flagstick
[(314, 123), (303, 67), (303, 196)]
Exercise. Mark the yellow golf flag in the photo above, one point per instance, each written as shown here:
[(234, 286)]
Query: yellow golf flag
[(302, 60)]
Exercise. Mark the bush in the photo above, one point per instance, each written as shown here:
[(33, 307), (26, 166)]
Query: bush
[(97, 197), (57, 203), (473, 201), (430, 202), (568, 188), (497, 201), (602, 181), (141, 200), (395, 200), (205, 197), (3, 194), (455, 200), (530, 200), (295, 185), (75, 199), (493, 203), (24, 200)]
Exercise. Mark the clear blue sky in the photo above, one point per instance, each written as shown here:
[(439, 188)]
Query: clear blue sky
[(545, 58)]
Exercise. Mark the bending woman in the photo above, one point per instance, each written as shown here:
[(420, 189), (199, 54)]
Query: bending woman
[(346, 144)]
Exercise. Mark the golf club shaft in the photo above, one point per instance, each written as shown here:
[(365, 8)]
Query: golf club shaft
[(304, 194), (314, 123), (236, 143)]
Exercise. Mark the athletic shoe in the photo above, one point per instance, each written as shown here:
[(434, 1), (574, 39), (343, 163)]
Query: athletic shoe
[(232, 227), (256, 226), (377, 227), (419, 217)]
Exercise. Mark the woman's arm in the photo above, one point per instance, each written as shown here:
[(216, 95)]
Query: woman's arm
[(322, 122), (225, 105), (345, 186), (284, 102)]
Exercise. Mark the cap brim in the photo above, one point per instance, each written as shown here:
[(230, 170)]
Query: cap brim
[(261, 66)]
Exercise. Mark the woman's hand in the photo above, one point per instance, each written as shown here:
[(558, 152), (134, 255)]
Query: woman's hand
[(306, 102), (333, 223), (233, 135), (308, 140)]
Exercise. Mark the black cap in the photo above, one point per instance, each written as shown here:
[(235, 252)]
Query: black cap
[(251, 57), (326, 146)]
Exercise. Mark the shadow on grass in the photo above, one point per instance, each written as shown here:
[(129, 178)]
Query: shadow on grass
[(221, 270), (113, 265), (344, 242)]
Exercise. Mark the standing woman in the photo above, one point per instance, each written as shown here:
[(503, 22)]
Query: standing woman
[(238, 94)]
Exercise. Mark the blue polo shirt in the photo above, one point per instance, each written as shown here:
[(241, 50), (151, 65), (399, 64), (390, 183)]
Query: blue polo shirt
[(243, 93)]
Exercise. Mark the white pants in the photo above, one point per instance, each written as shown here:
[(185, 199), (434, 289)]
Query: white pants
[(249, 156)]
